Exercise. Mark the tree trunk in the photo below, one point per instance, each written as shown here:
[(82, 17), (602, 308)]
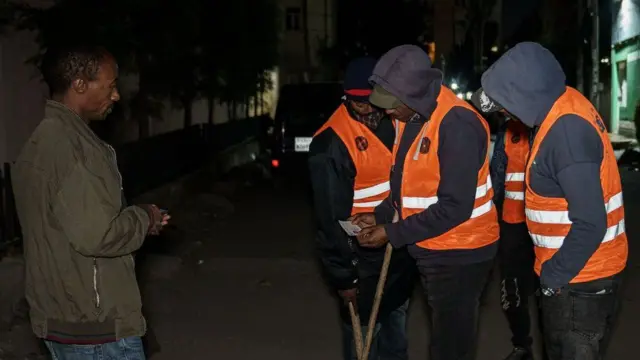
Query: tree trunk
[(262, 101), (187, 105), (305, 29), (211, 108), (143, 126), (255, 105), (580, 54), (140, 111), (247, 107)]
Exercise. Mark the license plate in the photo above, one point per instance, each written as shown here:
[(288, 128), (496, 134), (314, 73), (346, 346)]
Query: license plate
[(301, 144)]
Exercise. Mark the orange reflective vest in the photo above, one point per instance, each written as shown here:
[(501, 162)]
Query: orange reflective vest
[(371, 158), (548, 218), (421, 178), (516, 147)]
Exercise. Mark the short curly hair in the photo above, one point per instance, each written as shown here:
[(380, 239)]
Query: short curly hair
[(61, 66)]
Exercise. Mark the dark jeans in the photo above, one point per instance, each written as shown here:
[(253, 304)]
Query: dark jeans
[(517, 280), (577, 322), (389, 337), (124, 349), (453, 295)]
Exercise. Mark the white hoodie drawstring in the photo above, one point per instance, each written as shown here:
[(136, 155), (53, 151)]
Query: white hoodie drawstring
[(421, 137)]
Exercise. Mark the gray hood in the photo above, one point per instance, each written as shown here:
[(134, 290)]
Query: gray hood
[(405, 71), (527, 80)]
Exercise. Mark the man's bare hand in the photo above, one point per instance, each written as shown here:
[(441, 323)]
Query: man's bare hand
[(373, 237), (350, 296), (363, 220), (157, 219)]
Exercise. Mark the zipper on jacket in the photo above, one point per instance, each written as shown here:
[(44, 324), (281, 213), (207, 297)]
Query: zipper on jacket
[(95, 282), (115, 162)]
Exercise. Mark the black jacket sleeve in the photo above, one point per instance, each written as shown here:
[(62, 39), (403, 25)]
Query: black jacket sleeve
[(462, 150), (575, 154), (385, 211), (332, 177)]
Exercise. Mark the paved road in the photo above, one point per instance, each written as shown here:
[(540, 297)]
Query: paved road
[(249, 287)]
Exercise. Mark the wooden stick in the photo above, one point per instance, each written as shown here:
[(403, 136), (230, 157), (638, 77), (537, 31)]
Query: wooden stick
[(357, 330), (376, 301)]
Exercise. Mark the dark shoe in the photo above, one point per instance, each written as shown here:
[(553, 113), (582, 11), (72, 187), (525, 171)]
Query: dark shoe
[(520, 353)]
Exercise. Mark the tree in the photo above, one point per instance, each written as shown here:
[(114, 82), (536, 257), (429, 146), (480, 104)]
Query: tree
[(249, 52), (177, 49), (466, 61), (562, 34), (478, 11), (368, 34)]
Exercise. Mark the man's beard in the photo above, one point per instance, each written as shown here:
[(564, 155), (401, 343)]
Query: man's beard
[(370, 120), (104, 115)]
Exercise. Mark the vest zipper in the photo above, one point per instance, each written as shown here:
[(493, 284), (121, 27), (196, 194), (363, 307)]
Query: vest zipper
[(532, 136), (95, 282), (114, 160)]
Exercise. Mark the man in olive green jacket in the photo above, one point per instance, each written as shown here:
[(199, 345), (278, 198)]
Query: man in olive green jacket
[(79, 235)]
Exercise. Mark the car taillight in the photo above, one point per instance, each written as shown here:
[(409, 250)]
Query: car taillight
[(275, 163)]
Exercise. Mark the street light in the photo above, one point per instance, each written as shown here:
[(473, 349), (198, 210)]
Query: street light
[(454, 86), (494, 49)]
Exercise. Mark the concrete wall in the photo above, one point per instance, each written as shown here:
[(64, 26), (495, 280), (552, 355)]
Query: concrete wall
[(173, 117), (22, 97)]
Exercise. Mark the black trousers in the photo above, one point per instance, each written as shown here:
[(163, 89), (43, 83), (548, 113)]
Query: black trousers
[(577, 322), (518, 280), (453, 295)]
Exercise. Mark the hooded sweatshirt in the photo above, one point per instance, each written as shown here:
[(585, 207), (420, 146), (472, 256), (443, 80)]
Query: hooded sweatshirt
[(527, 81), (405, 71)]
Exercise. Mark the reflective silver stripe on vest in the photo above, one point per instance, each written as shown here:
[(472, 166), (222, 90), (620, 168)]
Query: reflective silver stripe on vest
[(409, 202), (514, 195), (371, 191), (514, 177), (562, 218), (367, 204)]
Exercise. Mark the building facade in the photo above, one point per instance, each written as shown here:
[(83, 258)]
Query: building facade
[(308, 26), (625, 66)]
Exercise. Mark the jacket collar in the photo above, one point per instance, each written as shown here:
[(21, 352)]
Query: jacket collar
[(55, 109)]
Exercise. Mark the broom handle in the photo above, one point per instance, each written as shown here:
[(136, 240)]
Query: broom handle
[(376, 302), (357, 330)]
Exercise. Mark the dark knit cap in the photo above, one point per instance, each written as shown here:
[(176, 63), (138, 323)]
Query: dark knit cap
[(356, 80)]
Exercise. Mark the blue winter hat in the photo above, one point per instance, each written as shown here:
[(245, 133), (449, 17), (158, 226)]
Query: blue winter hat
[(356, 79)]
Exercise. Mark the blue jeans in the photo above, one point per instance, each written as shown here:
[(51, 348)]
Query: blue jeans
[(389, 337), (124, 349)]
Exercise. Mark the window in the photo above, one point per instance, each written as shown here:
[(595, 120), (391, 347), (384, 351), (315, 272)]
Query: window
[(293, 18), (622, 83)]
